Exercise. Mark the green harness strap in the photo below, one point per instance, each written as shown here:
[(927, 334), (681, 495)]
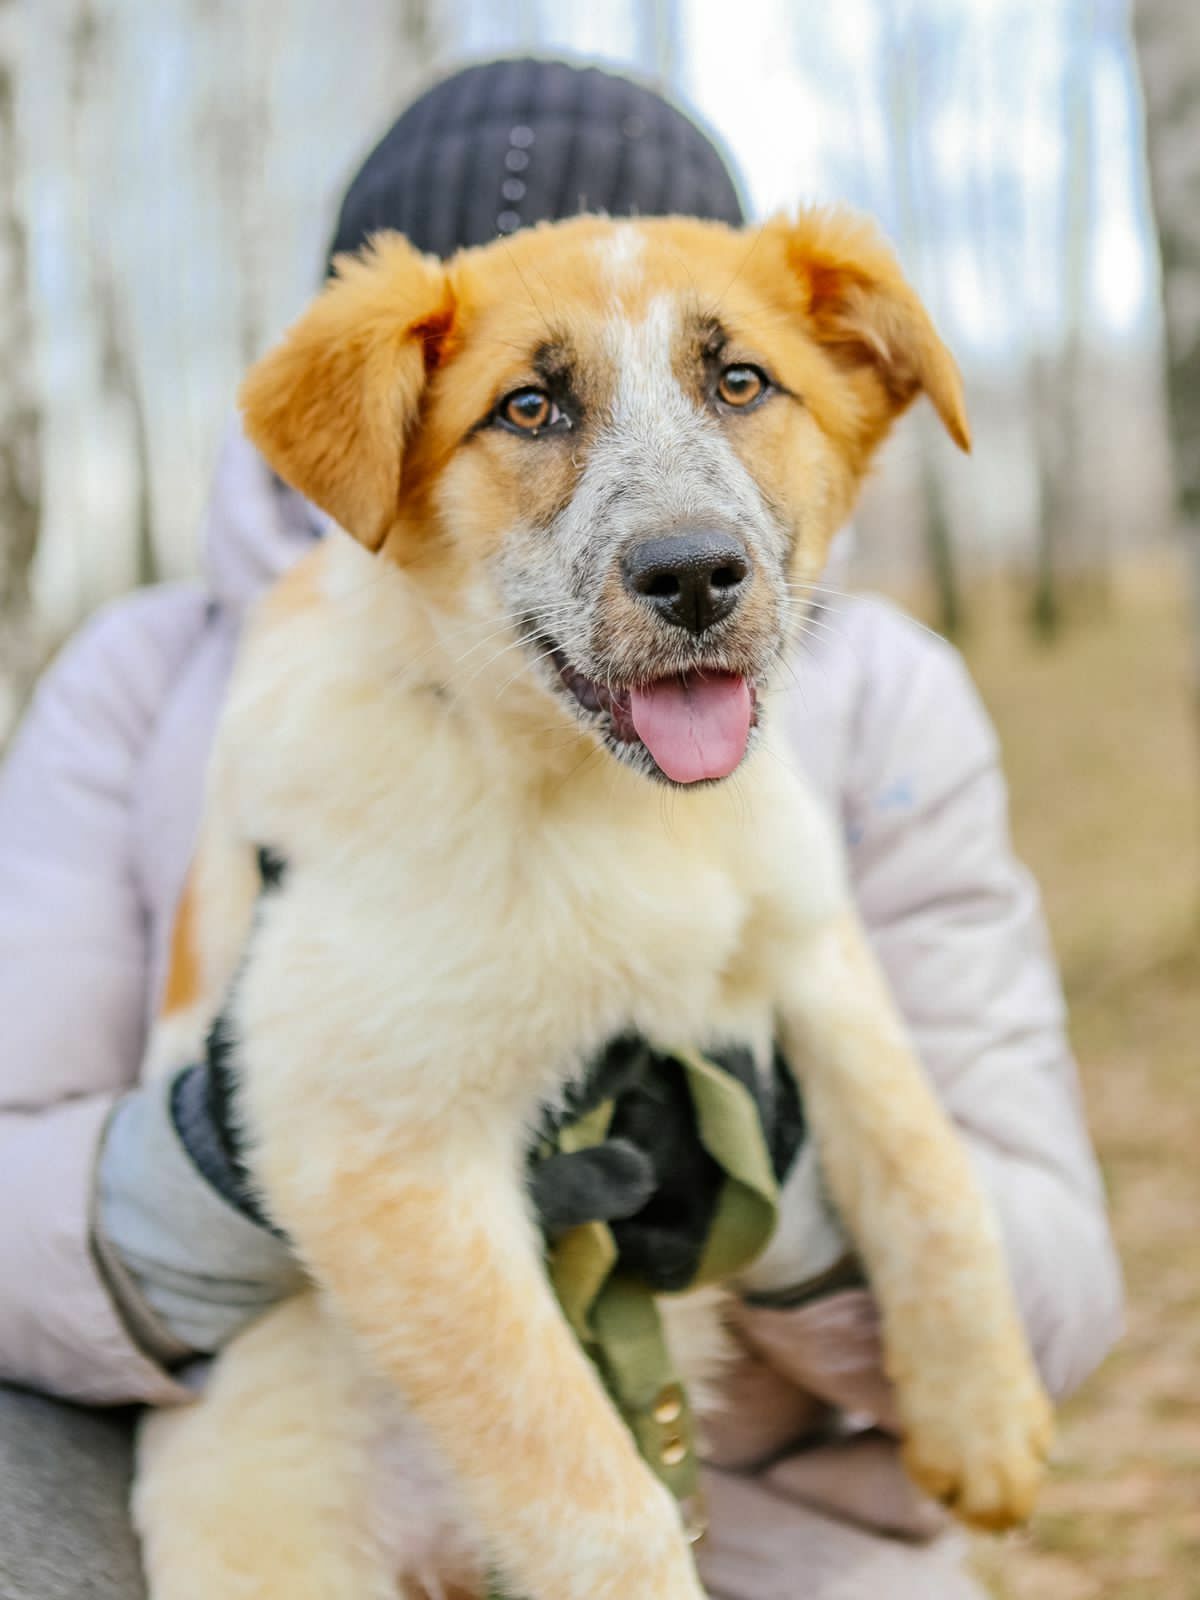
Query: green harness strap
[(615, 1316)]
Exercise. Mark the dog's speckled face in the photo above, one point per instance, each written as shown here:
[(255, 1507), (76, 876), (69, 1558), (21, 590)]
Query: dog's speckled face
[(635, 438)]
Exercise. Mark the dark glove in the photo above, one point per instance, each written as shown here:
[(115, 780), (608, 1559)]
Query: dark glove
[(651, 1179), (605, 1183), (203, 1097), (178, 1230), (203, 1113)]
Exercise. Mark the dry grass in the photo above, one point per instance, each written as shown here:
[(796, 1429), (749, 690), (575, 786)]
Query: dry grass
[(1100, 746)]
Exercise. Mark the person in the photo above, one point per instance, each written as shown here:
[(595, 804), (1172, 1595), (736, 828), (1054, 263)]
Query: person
[(122, 1253)]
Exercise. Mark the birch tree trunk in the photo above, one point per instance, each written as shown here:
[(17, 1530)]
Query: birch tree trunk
[(1167, 33), (1058, 388), (19, 475), (912, 64)]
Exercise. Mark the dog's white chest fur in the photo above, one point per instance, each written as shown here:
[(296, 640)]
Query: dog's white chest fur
[(512, 922), (460, 930)]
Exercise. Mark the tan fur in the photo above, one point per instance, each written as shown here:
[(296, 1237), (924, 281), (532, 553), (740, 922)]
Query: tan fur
[(478, 897), (183, 987), (357, 363), (966, 1447), (866, 315)]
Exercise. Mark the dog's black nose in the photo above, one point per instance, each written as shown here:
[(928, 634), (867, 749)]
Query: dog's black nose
[(692, 579)]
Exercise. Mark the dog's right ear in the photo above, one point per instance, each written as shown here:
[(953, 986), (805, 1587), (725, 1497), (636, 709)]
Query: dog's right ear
[(332, 406), (859, 308)]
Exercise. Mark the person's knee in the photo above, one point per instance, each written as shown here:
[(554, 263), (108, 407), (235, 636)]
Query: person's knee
[(65, 1532)]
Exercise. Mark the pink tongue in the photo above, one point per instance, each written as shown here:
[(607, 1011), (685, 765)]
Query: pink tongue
[(694, 727)]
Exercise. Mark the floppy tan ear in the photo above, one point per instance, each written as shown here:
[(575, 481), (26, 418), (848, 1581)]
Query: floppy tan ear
[(862, 310), (332, 405)]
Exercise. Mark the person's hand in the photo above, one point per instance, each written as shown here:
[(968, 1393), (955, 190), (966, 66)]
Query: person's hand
[(186, 1251), (806, 1405), (607, 1182), (758, 1413), (651, 1179)]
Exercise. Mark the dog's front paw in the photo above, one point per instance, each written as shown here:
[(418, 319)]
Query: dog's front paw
[(979, 1444)]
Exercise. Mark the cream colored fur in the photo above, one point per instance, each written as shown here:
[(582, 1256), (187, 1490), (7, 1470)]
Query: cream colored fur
[(474, 904)]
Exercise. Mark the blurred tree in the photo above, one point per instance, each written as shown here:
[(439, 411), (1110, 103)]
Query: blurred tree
[(1057, 382), (1168, 44), (19, 421), (916, 55), (117, 393)]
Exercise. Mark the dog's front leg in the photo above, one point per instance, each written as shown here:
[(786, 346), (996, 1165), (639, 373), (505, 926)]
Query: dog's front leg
[(976, 1421), (425, 1247)]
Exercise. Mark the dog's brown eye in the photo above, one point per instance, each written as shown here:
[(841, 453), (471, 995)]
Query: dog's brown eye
[(529, 410), (741, 386)]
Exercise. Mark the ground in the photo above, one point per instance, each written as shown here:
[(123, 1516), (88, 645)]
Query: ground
[(1100, 738)]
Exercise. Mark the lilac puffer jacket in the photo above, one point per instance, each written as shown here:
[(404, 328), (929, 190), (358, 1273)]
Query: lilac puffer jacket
[(99, 804)]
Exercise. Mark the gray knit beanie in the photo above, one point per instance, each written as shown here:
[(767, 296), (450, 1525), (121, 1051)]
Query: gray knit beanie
[(509, 143)]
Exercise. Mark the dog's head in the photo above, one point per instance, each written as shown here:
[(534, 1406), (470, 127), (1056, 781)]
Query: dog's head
[(628, 441)]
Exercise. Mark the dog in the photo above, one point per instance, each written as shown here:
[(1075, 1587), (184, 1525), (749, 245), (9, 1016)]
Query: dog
[(508, 729)]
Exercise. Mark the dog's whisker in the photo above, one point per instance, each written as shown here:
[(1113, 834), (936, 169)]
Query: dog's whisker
[(815, 602), (505, 649), (683, 262), (817, 612), (665, 811), (769, 749), (508, 625), (819, 602), (815, 583), (797, 684), (799, 628), (596, 750), (467, 628), (534, 658), (516, 265), (807, 623), (801, 585), (522, 640), (804, 644), (797, 640), (411, 663), (835, 594), (801, 683), (443, 637), (742, 265), (549, 288), (812, 634)]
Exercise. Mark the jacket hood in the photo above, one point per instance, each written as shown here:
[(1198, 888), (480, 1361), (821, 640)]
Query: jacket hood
[(254, 526)]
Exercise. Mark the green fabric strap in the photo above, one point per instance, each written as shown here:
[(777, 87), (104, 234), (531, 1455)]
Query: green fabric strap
[(616, 1317), (729, 1128)]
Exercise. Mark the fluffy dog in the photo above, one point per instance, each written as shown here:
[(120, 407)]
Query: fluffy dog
[(583, 479)]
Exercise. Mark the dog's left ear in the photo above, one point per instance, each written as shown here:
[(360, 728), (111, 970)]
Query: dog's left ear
[(860, 309), (332, 406)]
